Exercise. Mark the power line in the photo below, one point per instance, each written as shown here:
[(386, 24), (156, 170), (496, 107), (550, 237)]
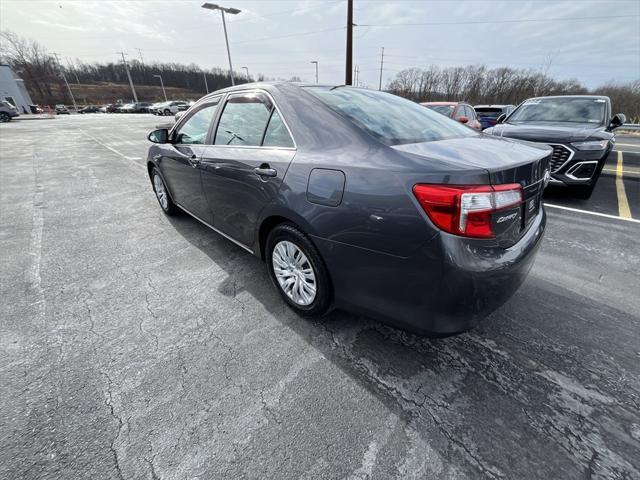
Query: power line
[(480, 22)]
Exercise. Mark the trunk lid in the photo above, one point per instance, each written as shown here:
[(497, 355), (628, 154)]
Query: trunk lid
[(506, 162)]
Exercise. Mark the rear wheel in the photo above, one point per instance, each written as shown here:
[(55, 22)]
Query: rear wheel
[(162, 194), (297, 271)]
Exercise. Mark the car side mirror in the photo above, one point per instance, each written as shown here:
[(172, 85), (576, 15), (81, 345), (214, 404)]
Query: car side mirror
[(501, 118), (160, 135), (463, 119), (617, 120)]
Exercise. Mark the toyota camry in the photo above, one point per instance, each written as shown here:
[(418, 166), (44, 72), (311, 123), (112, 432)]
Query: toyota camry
[(359, 200)]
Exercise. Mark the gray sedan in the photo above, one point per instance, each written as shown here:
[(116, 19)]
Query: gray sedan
[(358, 199)]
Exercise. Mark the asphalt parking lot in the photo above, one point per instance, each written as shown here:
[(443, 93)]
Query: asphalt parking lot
[(139, 346)]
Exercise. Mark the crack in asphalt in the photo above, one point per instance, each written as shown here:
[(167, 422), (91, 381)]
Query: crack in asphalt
[(418, 407), (109, 403)]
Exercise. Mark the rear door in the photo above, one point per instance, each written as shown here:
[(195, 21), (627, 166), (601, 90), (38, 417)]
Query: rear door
[(243, 170), (180, 159)]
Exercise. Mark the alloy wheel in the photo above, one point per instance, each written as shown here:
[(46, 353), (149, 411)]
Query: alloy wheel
[(161, 193), (294, 273)]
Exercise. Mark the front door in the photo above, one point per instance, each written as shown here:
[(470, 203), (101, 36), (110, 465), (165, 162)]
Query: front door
[(243, 169), (180, 159)]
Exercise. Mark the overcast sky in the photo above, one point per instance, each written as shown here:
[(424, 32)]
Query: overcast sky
[(280, 38)]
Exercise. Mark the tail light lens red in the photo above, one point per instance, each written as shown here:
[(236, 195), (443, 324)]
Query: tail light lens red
[(466, 209)]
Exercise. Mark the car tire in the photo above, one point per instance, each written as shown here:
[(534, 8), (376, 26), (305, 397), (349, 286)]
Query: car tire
[(167, 112), (162, 193), (4, 117), (302, 278)]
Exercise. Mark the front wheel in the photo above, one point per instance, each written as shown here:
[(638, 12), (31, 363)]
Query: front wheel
[(4, 117), (297, 271), (162, 194)]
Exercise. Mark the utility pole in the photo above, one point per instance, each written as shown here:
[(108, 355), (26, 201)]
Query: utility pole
[(381, 65), (126, 67), (316, 62), (349, 55), (247, 70), (144, 77), (356, 72), (73, 100), (206, 86)]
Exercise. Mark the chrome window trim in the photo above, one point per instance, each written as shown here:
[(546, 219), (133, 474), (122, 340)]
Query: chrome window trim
[(569, 173), (228, 237), (571, 154)]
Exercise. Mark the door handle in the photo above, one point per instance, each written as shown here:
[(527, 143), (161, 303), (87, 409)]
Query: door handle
[(265, 170)]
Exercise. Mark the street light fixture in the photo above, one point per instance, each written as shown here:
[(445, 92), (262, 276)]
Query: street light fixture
[(247, 70), (162, 85), (316, 62), (231, 11)]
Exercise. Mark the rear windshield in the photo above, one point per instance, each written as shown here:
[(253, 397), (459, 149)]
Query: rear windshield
[(561, 109), (490, 112), (390, 119)]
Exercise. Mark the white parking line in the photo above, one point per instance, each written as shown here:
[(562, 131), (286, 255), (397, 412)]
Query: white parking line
[(598, 214)]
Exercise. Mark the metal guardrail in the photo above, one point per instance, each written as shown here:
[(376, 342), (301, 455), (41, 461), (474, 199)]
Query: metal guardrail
[(630, 126)]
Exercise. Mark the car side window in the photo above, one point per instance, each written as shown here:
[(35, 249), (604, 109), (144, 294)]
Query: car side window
[(243, 120), (194, 131), (277, 134), (459, 112), (471, 114)]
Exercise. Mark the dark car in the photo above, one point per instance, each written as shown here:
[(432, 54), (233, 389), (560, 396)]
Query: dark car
[(7, 111), (62, 110), (459, 111), (359, 199), (36, 109), (488, 114), (578, 127), (89, 109)]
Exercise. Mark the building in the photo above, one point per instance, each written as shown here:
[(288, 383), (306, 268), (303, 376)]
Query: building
[(13, 90)]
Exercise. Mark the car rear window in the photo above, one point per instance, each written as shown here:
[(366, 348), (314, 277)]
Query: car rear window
[(489, 112), (390, 119), (443, 109)]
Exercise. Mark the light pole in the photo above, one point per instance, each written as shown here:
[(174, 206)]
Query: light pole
[(246, 69), (162, 85), (232, 11), (316, 62)]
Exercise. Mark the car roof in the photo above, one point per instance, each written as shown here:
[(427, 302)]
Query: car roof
[(494, 106), (441, 103), (602, 97)]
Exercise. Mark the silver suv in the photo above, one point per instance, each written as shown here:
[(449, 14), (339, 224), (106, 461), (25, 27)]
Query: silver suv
[(7, 111)]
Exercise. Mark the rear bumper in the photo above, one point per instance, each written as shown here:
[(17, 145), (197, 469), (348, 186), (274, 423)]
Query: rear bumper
[(446, 288)]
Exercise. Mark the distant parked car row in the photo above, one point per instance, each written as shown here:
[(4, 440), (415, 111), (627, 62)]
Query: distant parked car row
[(478, 117)]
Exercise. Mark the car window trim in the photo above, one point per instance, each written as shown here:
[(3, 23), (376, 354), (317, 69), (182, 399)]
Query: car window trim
[(208, 103), (274, 106)]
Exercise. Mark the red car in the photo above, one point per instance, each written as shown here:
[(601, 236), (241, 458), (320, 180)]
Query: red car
[(460, 111)]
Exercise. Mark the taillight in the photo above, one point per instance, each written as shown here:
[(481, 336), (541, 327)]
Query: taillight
[(466, 210)]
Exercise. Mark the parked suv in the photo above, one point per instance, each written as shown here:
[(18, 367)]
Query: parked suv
[(578, 127), (7, 111), (488, 114), (459, 111), (171, 108), (62, 110)]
